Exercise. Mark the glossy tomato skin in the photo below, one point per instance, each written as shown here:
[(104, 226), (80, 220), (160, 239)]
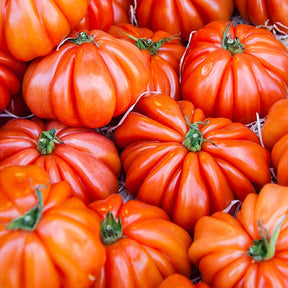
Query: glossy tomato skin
[(259, 12), (275, 137), (121, 10), (180, 281), (150, 249), (188, 184), (86, 159), (30, 29), (181, 16), (11, 74), (52, 254), (236, 86), (221, 243), (86, 84), (99, 16)]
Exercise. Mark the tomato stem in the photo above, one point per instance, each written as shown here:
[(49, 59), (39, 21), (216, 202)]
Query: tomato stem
[(47, 141), (111, 230), (29, 221), (194, 138), (148, 44), (264, 248), (232, 45)]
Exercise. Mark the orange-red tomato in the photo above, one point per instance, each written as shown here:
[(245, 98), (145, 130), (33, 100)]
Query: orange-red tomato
[(47, 237), (142, 245), (234, 72), (86, 159), (258, 12), (32, 28), (249, 251), (121, 10), (180, 281), (87, 82), (181, 16), (189, 165)]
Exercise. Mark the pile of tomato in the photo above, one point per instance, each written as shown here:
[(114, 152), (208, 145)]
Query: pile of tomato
[(143, 144)]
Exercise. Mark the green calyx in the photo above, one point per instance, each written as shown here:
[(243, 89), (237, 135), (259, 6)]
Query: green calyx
[(82, 37), (194, 138), (148, 44), (232, 45), (111, 230), (264, 248), (29, 221), (47, 141)]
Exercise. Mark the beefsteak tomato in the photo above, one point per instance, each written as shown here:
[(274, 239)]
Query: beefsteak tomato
[(234, 72), (189, 165), (47, 237), (33, 28), (87, 82), (86, 159), (181, 16), (271, 13), (249, 251), (143, 246)]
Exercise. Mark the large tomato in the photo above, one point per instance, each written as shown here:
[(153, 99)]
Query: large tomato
[(87, 82), (189, 165), (11, 74), (275, 138), (32, 28), (163, 52), (181, 16), (86, 159), (142, 245), (234, 72), (265, 12), (47, 237), (250, 251), (99, 16)]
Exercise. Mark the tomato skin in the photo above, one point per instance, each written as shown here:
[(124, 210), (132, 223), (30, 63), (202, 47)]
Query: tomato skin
[(258, 12), (87, 160), (151, 248), (189, 184), (53, 254), (121, 10), (180, 281), (221, 243), (86, 85), (176, 16), (234, 86), (28, 31)]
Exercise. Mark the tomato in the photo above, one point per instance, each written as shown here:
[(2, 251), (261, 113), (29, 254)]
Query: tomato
[(11, 73), (180, 281), (190, 165), (86, 159), (30, 29), (269, 12), (47, 237), (234, 72), (249, 251), (142, 245), (121, 10), (87, 82), (181, 16), (99, 16)]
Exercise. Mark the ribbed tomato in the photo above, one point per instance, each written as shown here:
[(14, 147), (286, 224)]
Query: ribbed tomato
[(86, 159), (189, 165)]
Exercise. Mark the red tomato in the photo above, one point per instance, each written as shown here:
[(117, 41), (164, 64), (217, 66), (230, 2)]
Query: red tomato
[(234, 72), (30, 28), (250, 251), (142, 245), (121, 10), (86, 159), (180, 281), (87, 82), (185, 163), (269, 12), (181, 16), (47, 237)]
